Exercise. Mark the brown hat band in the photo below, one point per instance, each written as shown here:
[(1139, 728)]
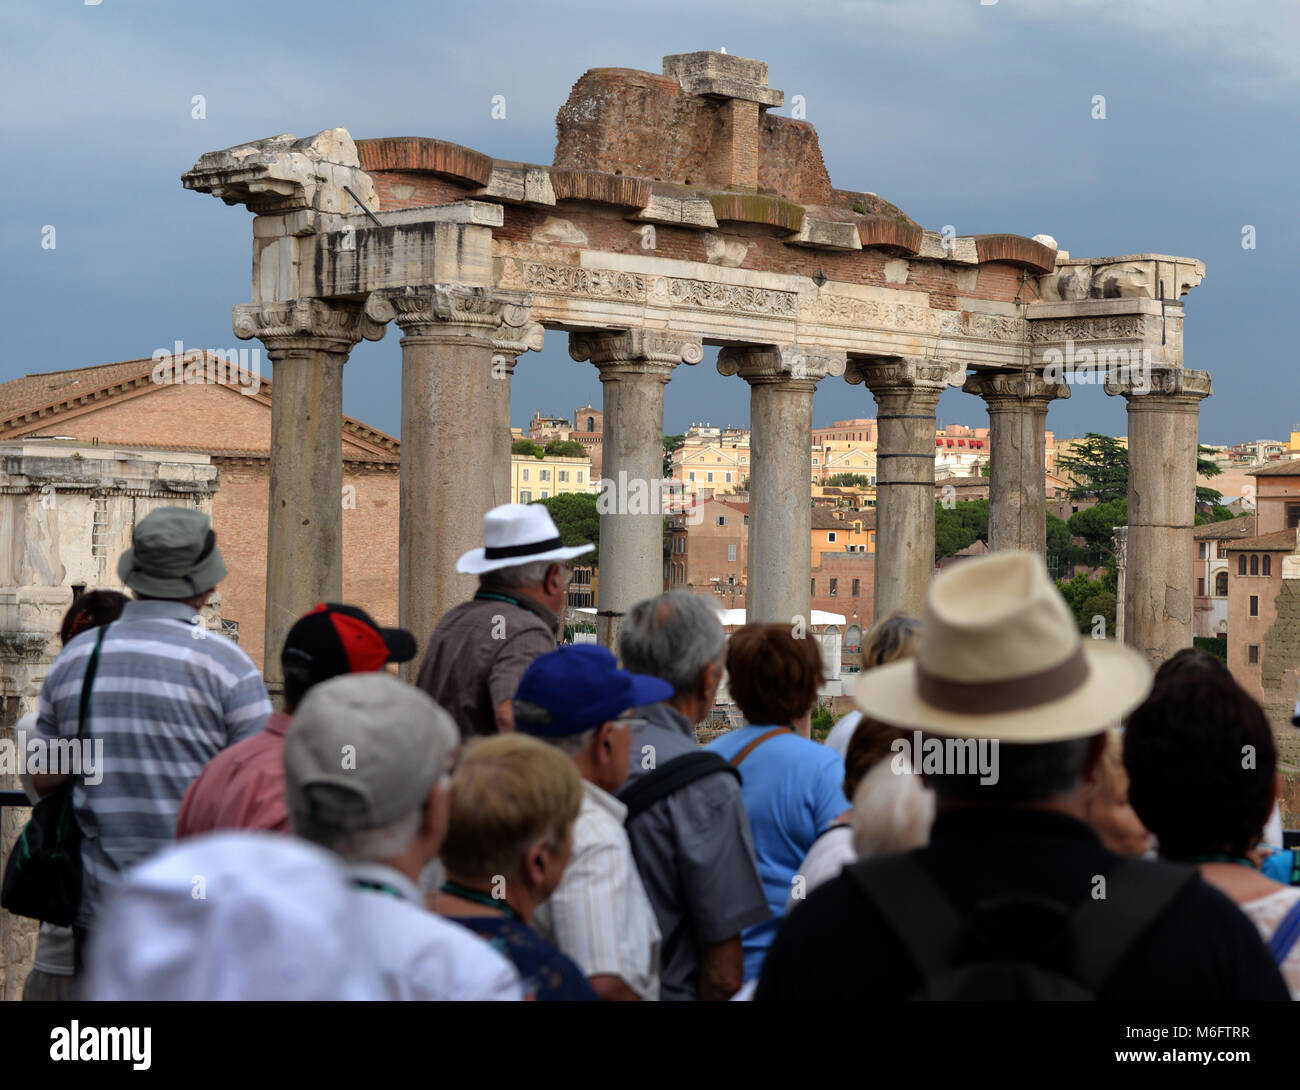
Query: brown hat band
[(1009, 695)]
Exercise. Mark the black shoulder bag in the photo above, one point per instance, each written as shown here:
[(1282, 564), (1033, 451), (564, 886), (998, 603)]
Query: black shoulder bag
[(42, 878)]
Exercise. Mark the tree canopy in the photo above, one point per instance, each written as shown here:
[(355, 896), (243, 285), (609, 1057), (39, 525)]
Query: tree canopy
[(565, 448), (575, 516), (849, 480)]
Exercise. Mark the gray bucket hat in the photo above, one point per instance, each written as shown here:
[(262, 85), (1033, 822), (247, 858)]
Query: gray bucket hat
[(173, 554)]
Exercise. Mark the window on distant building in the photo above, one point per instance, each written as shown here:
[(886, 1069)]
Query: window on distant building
[(722, 520), (1252, 654), (830, 536), (1267, 568), (857, 588), (1223, 551), (1202, 551), (525, 473), (1221, 585), (591, 423), (580, 472), (1254, 564), (545, 494), (728, 478), (814, 588), (710, 479), (525, 496), (835, 587), (1200, 586), (230, 629), (731, 554), (873, 539), (1292, 515), (1241, 564), (546, 474), (564, 474), (1254, 605), (692, 476)]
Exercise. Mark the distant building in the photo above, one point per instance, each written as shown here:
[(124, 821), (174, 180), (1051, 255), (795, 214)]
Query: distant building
[(1210, 562), (554, 475)]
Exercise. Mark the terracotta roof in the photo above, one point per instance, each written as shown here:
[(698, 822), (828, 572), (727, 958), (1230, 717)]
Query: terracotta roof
[(1280, 541), (1289, 467), (822, 519), (1241, 526), (51, 392)]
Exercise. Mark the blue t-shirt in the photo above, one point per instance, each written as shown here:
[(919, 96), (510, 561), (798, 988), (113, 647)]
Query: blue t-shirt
[(792, 788), (547, 974)]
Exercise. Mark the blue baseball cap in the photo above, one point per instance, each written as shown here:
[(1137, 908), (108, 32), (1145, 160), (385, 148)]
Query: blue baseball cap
[(582, 687)]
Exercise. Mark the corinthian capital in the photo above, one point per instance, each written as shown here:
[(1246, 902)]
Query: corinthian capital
[(1011, 390), (1177, 385), (328, 326), (907, 374), (450, 309), (781, 363), (637, 349)]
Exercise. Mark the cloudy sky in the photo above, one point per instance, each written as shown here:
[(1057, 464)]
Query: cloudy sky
[(960, 112)]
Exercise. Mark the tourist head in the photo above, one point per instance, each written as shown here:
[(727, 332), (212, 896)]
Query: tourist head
[(1001, 672), (514, 800), (773, 676), (335, 639), (889, 640), (1108, 809), (91, 610), (1202, 765), (893, 811), (577, 699), (173, 556), (677, 637), (366, 763), (233, 915), (522, 551)]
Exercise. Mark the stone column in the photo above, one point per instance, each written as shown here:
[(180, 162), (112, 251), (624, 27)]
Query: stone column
[(1160, 585), (449, 402), (308, 341), (635, 366), (907, 392), (1017, 405), (508, 343), (781, 380)]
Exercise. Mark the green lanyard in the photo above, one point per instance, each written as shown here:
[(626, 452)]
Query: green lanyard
[(457, 890), (1222, 859), (378, 887)]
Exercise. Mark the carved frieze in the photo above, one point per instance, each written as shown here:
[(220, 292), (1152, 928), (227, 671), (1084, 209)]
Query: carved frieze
[(1105, 328)]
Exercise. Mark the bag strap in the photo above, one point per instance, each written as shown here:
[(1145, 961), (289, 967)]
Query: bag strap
[(670, 778), (735, 761), (88, 683), (914, 907), (1285, 935), (1137, 892)]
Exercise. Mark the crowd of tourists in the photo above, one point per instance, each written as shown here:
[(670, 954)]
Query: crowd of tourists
[(1013, 810)]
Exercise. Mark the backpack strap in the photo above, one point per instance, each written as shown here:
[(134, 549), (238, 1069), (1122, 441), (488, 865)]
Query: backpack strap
[(735, 761), (914, 906), (1103, 930), (671, 778), (1285, 935)]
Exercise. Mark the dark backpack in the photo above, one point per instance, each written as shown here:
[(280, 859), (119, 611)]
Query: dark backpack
[(671, 777), (1019, 946)]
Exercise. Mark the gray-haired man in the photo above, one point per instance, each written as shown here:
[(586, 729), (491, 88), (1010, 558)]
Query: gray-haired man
[(692, 845)]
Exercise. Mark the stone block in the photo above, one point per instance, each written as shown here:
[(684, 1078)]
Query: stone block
[(827, 235)]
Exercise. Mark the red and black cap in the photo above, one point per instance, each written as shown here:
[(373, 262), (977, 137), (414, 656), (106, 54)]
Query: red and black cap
[(335, 639)]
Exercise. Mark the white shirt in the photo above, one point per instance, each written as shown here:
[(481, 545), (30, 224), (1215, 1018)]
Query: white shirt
[(831, 853), (842, 733), (420, 955), (599, 914), (1266, 913)]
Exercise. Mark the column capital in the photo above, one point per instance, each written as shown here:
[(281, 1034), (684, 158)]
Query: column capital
[(1005, 392), (451, 310), (907, 375), (794, 365), (305, 325), (638, 349), (1162, 388)]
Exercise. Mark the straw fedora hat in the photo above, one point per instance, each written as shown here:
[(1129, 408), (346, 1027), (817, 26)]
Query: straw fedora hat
[(1000, 656), (517, 533)]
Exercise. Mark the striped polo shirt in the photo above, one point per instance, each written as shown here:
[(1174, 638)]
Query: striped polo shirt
[(168, 696)]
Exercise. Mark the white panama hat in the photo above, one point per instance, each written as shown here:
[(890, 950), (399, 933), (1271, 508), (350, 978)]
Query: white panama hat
[(517, 533), (1000, 656)]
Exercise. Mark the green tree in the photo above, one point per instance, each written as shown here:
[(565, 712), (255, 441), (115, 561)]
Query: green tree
[(575, 516), (565, 448), (1096, 525), (849, 480), (1100, 466), (527, 446), (1088, 598), (960, 525)]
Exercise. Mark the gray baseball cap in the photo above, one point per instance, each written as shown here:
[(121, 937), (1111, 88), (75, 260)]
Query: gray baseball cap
[(362, 751), (173, 554)]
